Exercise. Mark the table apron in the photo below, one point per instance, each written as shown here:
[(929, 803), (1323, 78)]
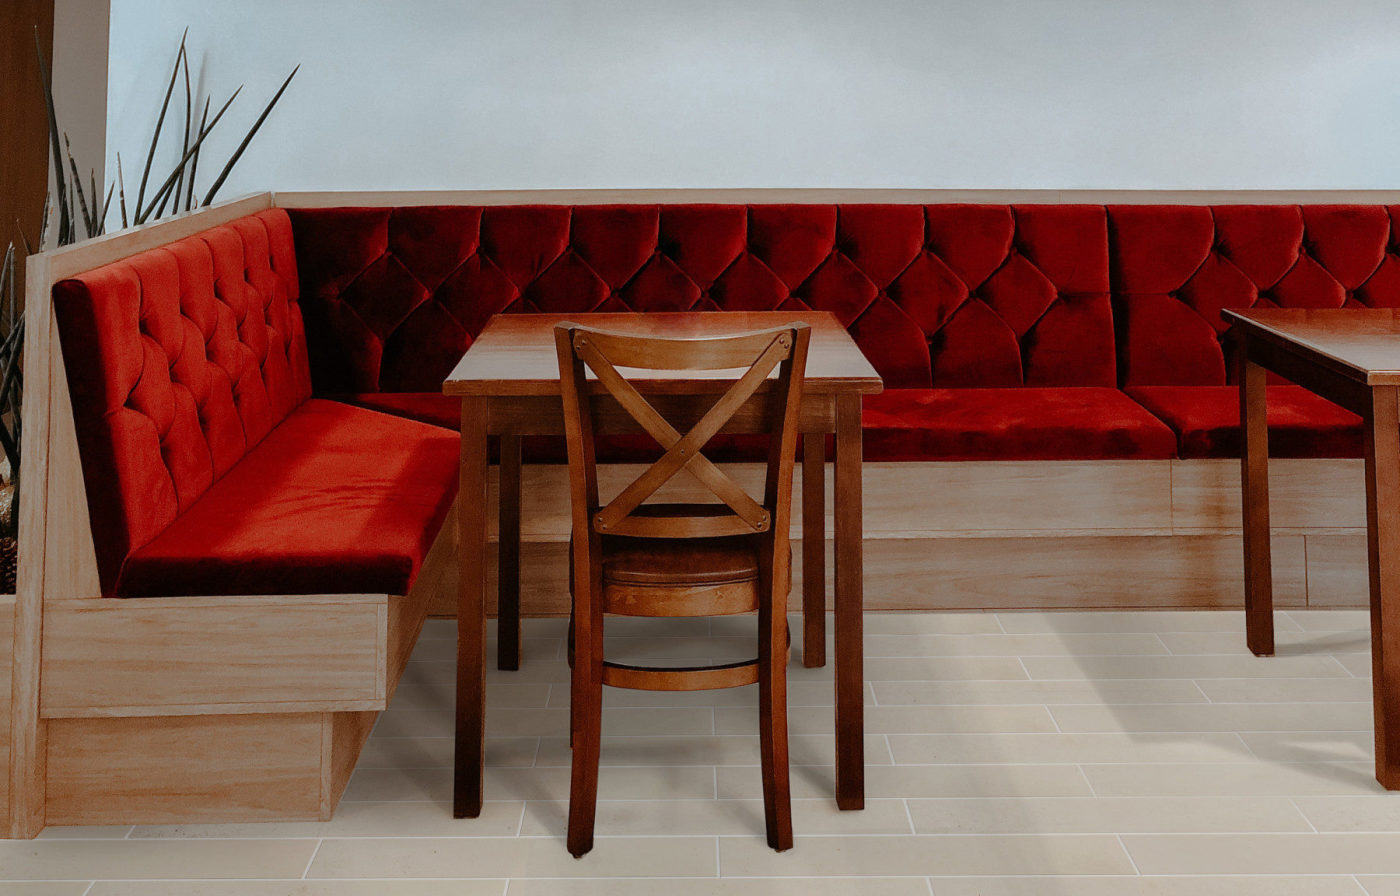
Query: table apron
[(1336, 387), (544, 414)]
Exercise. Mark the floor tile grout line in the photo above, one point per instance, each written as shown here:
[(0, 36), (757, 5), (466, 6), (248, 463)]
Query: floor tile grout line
[(1293, 801), (311, 861), (89, 888), (909, 815), (1131, 861), (929, 881)]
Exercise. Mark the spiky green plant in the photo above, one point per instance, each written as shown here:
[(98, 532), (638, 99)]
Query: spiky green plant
[(80, 216)]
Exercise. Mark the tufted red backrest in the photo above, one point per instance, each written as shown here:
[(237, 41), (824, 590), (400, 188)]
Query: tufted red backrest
[(1176, 267), (943, 295), (179, 360)]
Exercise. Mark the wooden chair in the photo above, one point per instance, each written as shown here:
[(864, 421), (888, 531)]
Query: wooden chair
[(655, 559)]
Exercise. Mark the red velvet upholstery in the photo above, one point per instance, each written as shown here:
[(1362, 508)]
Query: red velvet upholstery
[(1206, 420), (948, 295), (179, 360), (336, 500), (1176, 267), (1011, 424)]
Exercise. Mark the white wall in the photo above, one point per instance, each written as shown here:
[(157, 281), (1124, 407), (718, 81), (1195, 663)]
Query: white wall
[(1055, 94)]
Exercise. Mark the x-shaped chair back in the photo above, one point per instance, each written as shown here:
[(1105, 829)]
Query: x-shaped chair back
[(758, 354)]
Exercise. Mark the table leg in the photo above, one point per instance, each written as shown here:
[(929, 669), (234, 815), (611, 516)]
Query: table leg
[(470, 753), (508, 564), (1383, 543), (849, 652), (1254, 497), (814, 550)]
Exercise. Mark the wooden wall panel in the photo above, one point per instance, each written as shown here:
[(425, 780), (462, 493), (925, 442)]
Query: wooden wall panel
[(1302, 493), (124, 657), (1338, 573), (185, 769)]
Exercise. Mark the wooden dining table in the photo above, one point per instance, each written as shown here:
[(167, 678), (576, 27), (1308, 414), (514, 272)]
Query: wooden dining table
[(508, 381), (1351, 357)]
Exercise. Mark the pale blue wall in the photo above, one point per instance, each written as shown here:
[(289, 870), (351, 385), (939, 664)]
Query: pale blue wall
[(659, 93)]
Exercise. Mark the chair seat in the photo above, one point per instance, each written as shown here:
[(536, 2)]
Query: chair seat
[(1206, 420), (336, 500)]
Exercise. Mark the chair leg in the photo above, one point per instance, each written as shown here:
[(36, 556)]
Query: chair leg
[(585, 716), (508, 568), (773, 730), (586, 721)]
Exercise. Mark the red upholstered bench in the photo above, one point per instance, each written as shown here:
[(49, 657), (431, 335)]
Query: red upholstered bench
[(1002, 333), (276, 552), (210, 468)]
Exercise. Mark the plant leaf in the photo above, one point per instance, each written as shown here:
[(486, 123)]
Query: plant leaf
[(63, 210), (160, 122), (233, 160), (143, 215)]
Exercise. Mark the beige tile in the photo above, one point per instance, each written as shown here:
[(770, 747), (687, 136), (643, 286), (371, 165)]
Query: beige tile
[(360, 819), (510, 721), (1286, 690), (439, 695), (1330, 620), (85, 832), (1216, 717), (920, 781), (729, 749), (1381, 886), (1343, 814), (436, 752), (1197, 667), (1071, 644), (514, 857), (1242, 779), (1065, 621), (800, 886), (821, 692), (940, 668), (445, 650), (66, 888), (1287, 643), (1312, 746), (897, 622), (739, 818), (859, 856), (922, 749), (1265, 853), (902, 719), (510, 784), (1358, 664), (942, 693), (301, 888), (1339, 885), (1089, 815), (89, 860)]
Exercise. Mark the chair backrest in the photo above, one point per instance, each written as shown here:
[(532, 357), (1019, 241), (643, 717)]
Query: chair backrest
[(590, 409)]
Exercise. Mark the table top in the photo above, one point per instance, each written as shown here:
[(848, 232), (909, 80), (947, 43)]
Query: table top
[(515, 353), (1360, 343)]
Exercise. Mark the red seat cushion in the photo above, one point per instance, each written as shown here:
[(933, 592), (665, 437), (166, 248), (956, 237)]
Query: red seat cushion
[(1206, 420), (336, 500), (1076, 423), (446, 411)]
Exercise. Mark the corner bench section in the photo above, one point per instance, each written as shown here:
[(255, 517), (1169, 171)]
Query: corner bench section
[(220, 698)]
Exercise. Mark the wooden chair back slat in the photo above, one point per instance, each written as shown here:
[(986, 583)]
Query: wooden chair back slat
[(582, 349)]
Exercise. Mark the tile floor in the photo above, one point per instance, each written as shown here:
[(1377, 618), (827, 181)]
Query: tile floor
[(1010, 754)]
